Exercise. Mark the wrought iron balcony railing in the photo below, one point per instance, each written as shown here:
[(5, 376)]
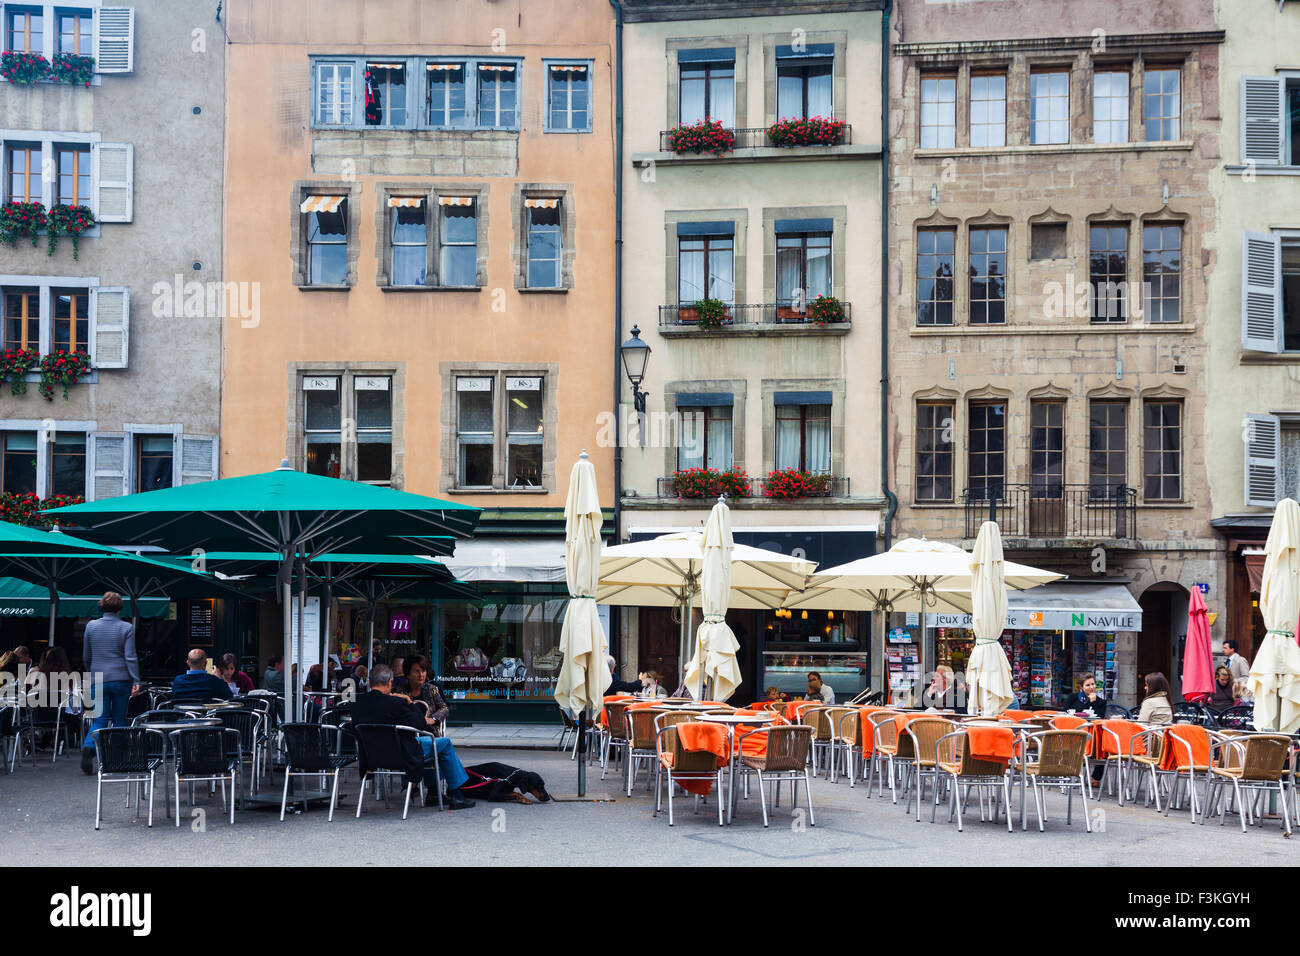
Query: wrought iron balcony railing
[(1053, 510), (826, 486), (756, 138), (743, 316)]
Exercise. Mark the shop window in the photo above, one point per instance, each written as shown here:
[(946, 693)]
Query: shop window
[(934, 451), (935, 268), (1049, 107), (18, 462), (153, 461), (1162, 450), (988, 276), (1110, 106), (986, 450), (1108, 271), (1107, 448)]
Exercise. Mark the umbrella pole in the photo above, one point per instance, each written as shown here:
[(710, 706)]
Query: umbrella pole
[(54, 610), (582, 752), (290, 698)]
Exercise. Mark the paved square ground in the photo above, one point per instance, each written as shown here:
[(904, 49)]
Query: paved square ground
[(46, 816)]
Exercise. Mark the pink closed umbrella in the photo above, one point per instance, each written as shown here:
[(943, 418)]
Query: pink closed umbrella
[(1198, 664)]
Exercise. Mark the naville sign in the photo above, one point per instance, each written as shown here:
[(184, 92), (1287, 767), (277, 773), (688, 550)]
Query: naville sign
[(1021, 620)]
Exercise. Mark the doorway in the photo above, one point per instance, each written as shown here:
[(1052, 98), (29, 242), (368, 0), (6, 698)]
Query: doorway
[(1164, 622)]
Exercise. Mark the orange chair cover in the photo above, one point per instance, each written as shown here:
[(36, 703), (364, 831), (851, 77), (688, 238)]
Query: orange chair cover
[(1015, 714), (1175, 755), (1125, 729), (699, 736), (991, 743)]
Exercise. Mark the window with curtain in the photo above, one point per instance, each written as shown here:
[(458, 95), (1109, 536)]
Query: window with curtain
[(458, 242), (803, 437), (544, 255), (446, 95), (705, 437), (804, 84), (498, 95), (803, 268), (410, 244), (385, 94), (705, 268), (568, 98), (474, 431), (708, 91)]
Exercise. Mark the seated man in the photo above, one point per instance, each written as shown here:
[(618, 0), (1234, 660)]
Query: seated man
[(196, 683), (273, 679), (617, 686), (818, 690), (380, 706)]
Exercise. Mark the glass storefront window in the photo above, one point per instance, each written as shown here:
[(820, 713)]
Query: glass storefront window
[(829, 642), (500, 650)]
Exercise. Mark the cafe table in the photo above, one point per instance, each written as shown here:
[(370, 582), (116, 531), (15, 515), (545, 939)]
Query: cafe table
[(731, 722), (167, 728)]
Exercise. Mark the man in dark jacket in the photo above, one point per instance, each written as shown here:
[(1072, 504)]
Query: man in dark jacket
[(197, 683), (380, 706)]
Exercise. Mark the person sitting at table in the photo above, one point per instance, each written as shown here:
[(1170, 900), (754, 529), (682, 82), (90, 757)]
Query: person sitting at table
[(773, 693), (196, 683), (314, 678), (273, 679), (228, 670), (1088, 700), (417, 689), (617, 686), (380, 705), (652, 684), (942, 692), (819, 691), (1157, 705), (1241, 690), (1223, 696)]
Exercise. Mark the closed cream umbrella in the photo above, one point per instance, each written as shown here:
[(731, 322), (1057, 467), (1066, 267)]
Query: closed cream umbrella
[(714, 659), (988, 675), (1275, 672), (584, 676)]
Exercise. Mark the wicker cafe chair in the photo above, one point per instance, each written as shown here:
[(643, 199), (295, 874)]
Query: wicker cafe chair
[(615, 735), (786, 758), (128, 755), (1058, 762), (1260, 766), (640, 729), (952, 754), (312, 751), (673, 760), (383, 749), (1144, 766), (816, 718), (206, 754), (925, 733), (885, 749), (837, 746)]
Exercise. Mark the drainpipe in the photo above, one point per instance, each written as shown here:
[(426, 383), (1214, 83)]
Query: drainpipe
[(615, 613), (885, 490)]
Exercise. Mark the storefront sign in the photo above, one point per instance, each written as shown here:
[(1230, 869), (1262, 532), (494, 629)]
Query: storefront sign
[(1203, 587), (27, 611), (1021, 620), (899, 636), (913, 618), (399, 625)]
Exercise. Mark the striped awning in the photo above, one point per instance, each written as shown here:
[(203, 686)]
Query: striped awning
[(565, 68), (385, 66), (445, 66), (405, 202), (455, 200), (541, 203), (497, 67), (321, 203)]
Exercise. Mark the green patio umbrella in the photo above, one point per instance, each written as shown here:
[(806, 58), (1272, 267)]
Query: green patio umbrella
[(20, 600), (297, 516), (20, 539)]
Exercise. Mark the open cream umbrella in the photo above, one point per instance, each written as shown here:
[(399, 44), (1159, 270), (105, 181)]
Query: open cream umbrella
[(584, 676), (714, 659), (1275, 671), (988, 675)]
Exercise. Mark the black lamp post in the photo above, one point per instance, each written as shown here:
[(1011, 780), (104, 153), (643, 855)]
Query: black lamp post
[(635, 355)]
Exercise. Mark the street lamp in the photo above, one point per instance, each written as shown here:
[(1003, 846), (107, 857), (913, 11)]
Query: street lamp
[(635, 354)]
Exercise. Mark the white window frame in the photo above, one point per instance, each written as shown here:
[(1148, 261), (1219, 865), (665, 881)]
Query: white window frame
[(48, 140), (348, 427), (1069, 116), (46, 285), (43, 445), (129, 451), (96, 8)]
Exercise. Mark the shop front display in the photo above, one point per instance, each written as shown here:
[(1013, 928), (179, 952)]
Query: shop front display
[(828, 642)]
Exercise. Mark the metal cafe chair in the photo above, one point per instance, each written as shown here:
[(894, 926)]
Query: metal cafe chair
[(207, 754), (1259, 766), (248, 724), (128, 755), (384, 754), (310, 752), (925, 733), (786, 758), (678, 763), (953, 758), (1057, 760)]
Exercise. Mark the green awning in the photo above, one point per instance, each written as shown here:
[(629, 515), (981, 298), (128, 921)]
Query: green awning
[(19, 600)]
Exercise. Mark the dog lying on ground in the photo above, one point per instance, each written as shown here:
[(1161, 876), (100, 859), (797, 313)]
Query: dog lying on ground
[(499, 783)]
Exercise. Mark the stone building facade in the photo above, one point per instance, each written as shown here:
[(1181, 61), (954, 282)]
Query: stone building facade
[(1050, 205)]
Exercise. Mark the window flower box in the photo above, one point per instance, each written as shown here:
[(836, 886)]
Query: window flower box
[(71, 221), (61, 368), (790, 483), (710, 482), (706, 136), (14, 366), (25, 508), (826, 310), (813, 131), (73, 69), (19, 219), (23, 68), (706, 313)]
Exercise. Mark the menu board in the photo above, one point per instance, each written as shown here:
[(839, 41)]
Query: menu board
[(201, 622)]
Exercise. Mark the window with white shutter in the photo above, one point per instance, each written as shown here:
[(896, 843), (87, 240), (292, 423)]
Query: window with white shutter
[(107, 465), (115, 40), (198, 458), (110, 320), (1261, 292), (1261, 120), (112, 168), (1263, 459)]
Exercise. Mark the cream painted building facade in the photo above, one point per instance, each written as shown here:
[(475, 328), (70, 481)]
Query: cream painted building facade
[(760, 230)]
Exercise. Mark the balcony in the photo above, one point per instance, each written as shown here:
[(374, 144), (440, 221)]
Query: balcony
[(1053, 511), (756, 138), (831, 486), (752, 145), (763, 319)]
